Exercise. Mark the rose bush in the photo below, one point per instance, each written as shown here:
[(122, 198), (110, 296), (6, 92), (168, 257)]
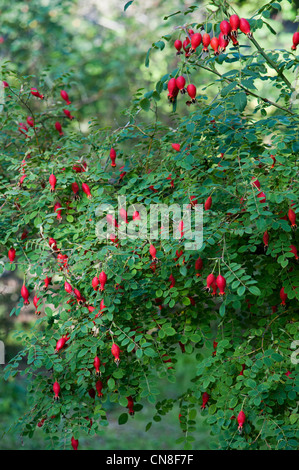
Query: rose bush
[(113, 314)]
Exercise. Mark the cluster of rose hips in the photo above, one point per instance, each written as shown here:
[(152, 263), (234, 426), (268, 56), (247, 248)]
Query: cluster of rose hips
[(23, 127), (228, 31), (176, 85)]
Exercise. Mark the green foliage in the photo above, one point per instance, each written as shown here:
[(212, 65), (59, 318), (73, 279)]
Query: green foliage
[(242, 344)]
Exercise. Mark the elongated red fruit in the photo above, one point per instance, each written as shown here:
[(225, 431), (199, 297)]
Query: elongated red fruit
[(79, 297), (52, 181), (208, 203), (234, 21), (75, 443), (36, 93), (57, 210), (130, 405), (11, 254), (22, 180), (61, 343), (95, 283), (99, 387), (225, 29), (68, 114), (178, 45), (47, 281), (65, 96), (103, 280), (210, 279), (136, 216), (115, 352), (295, 40), (221, 283), (97, 364), (206, 41), (223, 43), (68, 288), (81, 168), (245, 27), (35, 303), (262, 197), (292, 217), (113, 157), (153, 252), (266, 239), (172, 281), (241, 420), (58, 128), (172, 90), (53, 244), (195, 41), (234, 40), (75, 189), (191, 90), (214, 45), (186, 48), (86, 190), (22, 127), (56, 390), (102, 307), (283, 296), (214, 287), (198, 265), (25, 294), (176, 147), (255, 183), (205, 399), (193, 201), (181, 82), (30, 121), (293, 250)]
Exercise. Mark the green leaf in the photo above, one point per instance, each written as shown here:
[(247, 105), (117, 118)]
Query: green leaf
[(222, 309), (241, 290), (111, 384), (128, 4), (255, 290), (240, 100), (146, 63), (145, 104), (227, 89), (123, 418), (83, 352)]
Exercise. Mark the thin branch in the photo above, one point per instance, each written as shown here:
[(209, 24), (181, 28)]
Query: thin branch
[(265, 100)]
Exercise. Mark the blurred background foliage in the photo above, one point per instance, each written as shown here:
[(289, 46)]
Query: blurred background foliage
[(103, 47), (100, 50)]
